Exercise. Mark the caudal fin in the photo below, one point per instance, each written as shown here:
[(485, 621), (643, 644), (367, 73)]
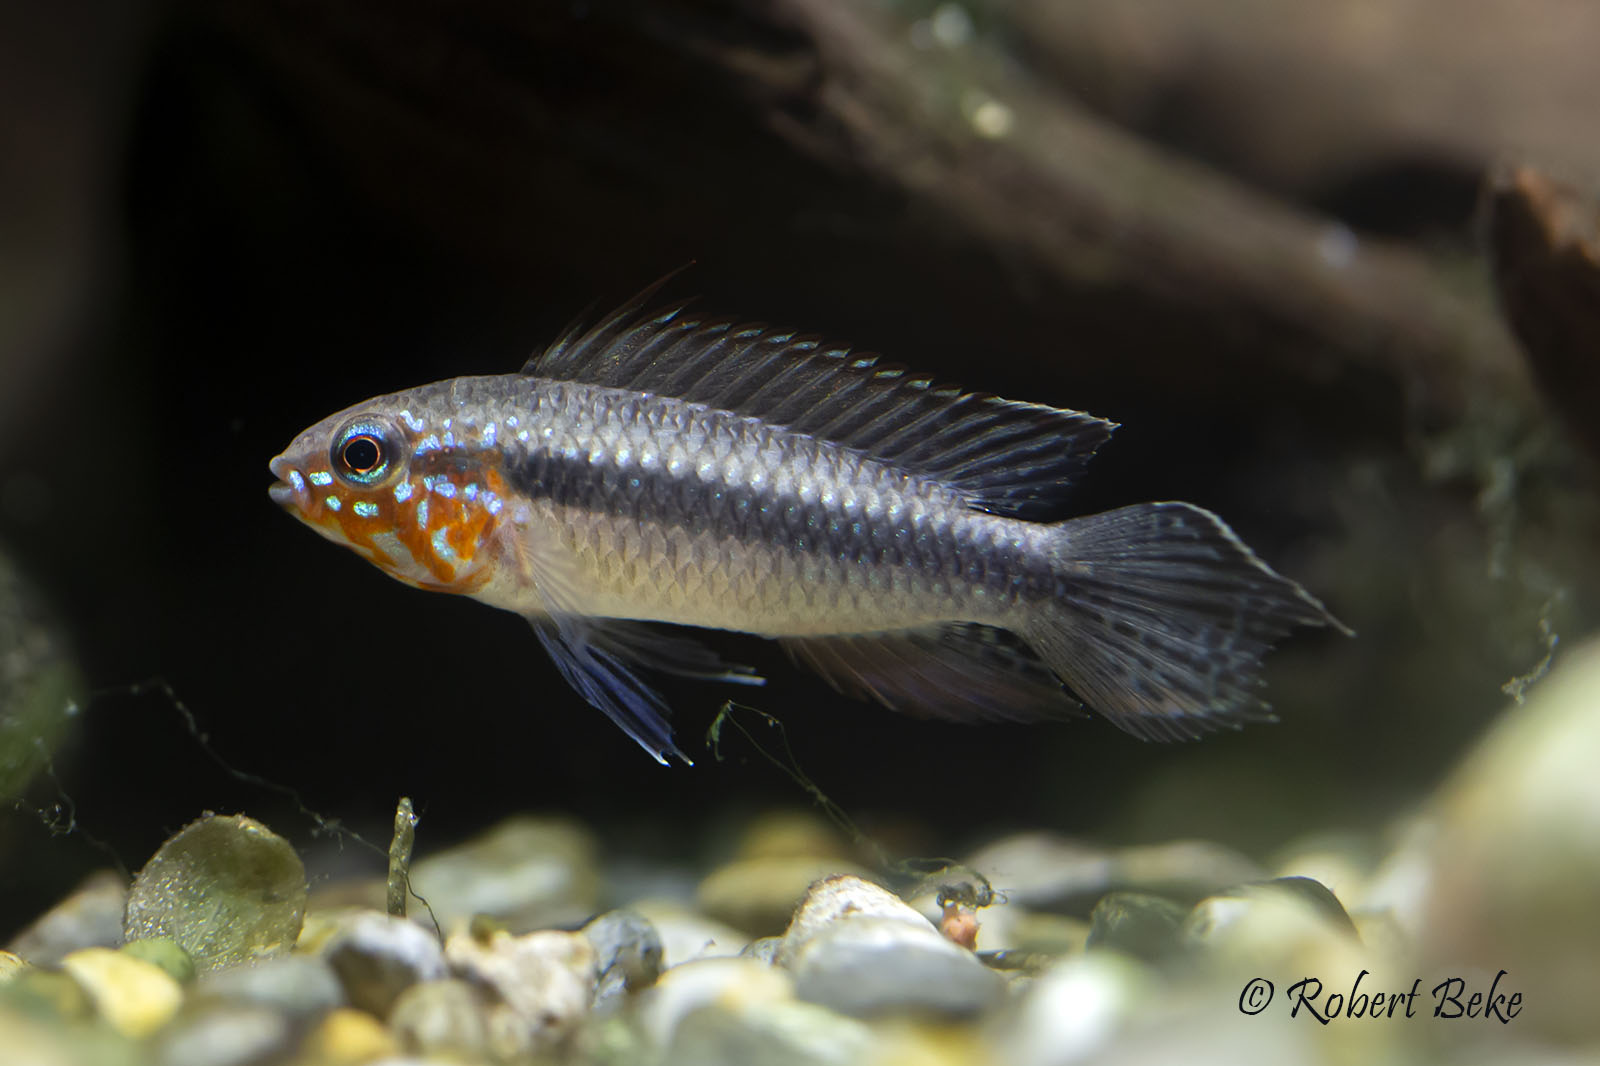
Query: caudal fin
[(1161, 617)]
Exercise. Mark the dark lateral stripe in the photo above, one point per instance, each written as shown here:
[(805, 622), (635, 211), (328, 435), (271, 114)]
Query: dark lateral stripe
[(756, 517)]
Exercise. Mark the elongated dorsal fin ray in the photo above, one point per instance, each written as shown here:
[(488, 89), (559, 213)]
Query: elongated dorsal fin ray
[(580, 336), (1005, 456)]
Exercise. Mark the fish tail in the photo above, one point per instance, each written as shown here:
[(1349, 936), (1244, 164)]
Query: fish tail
[(1160, 618)]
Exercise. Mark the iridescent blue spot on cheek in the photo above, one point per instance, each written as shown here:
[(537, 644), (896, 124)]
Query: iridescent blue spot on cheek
[(332, 503), (430, 443), (322, 477), (422, 515), (413, 423), (402, 492), (444, 489), (365, 508), (296, 481), (471, 491), (492, 503)]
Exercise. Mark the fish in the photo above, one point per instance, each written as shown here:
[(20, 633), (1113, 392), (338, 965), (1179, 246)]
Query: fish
[(662, 468)]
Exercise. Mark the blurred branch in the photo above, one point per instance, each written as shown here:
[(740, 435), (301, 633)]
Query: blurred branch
[(1314, 99), (1545, 239), (859, 152), (1030, 172)]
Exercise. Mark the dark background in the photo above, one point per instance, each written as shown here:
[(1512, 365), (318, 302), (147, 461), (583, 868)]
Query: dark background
[(234, 219)]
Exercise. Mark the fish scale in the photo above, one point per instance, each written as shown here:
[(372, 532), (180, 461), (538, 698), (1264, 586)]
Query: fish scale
[(901, 538)]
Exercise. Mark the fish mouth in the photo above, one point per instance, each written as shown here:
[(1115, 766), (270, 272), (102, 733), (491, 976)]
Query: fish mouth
[(290, 491)]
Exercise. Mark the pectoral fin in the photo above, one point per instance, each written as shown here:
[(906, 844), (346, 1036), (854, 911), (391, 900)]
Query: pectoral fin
[(646, 646), (597, 657)]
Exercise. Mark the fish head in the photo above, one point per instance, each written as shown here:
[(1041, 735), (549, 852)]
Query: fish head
[(420, 503)]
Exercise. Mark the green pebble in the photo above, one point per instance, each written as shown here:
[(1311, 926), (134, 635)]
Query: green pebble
[(164, 952), (226, 889)]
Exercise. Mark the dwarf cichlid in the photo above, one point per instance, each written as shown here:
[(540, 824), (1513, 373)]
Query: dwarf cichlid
[(894, 535)]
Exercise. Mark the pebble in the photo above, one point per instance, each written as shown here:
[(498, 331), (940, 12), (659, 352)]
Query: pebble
[(775, 1034), (759, 895), (1281, 923), (322, 925), (1136, 923), (686, 935), (375, 957), (225, 1034), (1341, 861), (134, 996), (1046, 870), (859, 949), (28, 1038), (1007, 927), (1500, 872), (545, 980), (299, 986), (529, 873), (834, 898), (1072, 1011), (226, 888), (861, 966), (91, 917), (49, 992), (628, 954), (445, 1018), (347, 1037), (1184, 870), (788, 834), (733, 983)]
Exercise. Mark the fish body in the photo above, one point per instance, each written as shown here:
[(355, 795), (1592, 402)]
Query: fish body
[(895, 536)]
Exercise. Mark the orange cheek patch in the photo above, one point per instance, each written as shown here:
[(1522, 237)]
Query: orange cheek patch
[(362, 518), (429, 530), (445, 521)]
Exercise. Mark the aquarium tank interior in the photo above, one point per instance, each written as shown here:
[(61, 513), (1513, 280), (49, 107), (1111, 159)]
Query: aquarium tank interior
[(1146, 449)]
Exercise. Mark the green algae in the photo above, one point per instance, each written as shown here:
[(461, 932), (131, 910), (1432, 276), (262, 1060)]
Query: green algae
[(226, 889)]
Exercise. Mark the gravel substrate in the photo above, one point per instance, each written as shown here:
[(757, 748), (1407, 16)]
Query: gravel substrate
[(1468, 938)]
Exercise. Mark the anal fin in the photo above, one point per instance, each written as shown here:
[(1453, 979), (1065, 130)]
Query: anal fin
[(957, 671)]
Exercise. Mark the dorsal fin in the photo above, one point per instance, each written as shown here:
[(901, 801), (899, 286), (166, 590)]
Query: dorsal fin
[(1007, 457)]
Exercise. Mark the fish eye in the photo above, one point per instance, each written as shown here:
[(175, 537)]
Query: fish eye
[(361, 453)]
